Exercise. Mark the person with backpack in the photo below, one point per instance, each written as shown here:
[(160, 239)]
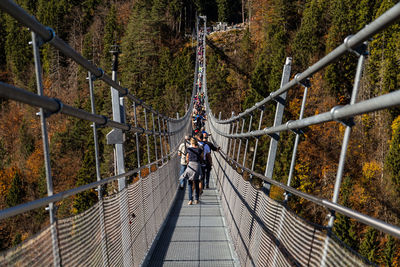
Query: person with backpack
[(207, 146), (192, 173), (182, 153)]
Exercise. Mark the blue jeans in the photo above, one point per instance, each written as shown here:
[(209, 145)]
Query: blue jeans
[(183, 168), (197, 189)]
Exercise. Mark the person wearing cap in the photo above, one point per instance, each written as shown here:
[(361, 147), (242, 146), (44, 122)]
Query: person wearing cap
[(182, 154)]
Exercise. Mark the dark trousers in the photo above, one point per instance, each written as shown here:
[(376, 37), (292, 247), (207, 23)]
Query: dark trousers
[(205, 175)]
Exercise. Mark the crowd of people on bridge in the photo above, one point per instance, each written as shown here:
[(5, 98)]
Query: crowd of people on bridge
[(195, 151)]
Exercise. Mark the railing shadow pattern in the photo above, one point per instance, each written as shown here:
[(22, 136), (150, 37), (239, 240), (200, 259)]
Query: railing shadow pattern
[(80, 240), (266, 233)]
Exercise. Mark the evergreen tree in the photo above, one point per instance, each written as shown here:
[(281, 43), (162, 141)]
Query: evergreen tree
[(369, 245), (392, 162), (16, 193), (308, 41), (86, 175), (340, 75), (383, 66), (111, 37), (3, 38), (139, 48), (18, 52), (27, 141), (223, 10), (390, 250), (344, 227)]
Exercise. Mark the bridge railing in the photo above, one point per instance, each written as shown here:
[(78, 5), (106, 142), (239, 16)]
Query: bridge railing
[(119, 229), (231, 136)]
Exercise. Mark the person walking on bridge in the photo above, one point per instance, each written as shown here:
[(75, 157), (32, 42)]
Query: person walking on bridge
[(192, 173), (182, 153)]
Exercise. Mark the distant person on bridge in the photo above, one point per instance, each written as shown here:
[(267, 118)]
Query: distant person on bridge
[(182, 153), (192, 173)]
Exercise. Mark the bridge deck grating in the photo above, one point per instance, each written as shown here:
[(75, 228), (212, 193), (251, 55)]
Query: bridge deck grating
[(194, 235)]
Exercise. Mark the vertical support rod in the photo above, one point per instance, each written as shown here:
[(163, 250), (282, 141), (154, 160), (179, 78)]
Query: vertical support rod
[(155, 138), (257, 139), (104, 245), (161, 144), (137, 138), (147, 138), (46, 152), (273, 145), (95, 138), (234, 143), (168, 130), (165, 137), (230, 140), (247, 142), (116, 137), (342, 159), (240, 141), (296, 143)]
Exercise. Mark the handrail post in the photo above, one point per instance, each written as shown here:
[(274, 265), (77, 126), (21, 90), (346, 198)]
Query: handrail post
[(346, 137), (137, 136), (36, 42), (280, 106), (104, 245), (240, 141), (147, 139), (257, 139), (230, 140), (161, 144), (247, 141), (234, 142), (297, 140), (116, 137), (155, 138)]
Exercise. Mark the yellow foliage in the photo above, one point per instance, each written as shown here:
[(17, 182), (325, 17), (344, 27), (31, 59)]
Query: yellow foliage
[(6, 177), (367, 121), (33, 165), (395, 125), (370, 170), (303, 176)]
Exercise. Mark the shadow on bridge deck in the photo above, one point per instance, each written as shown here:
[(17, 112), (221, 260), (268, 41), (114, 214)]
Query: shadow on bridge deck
[(194, 235)]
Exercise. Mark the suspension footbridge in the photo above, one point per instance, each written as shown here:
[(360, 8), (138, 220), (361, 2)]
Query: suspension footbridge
[(148, 222)]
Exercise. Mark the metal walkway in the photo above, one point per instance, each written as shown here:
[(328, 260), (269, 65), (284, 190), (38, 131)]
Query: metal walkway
[(195, 235)]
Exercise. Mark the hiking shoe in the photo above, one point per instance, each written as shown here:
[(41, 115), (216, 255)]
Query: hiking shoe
[(196, 202), (190, 202)]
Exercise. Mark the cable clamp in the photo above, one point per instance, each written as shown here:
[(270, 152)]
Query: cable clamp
[(346, 121), (98, 76), (361, 50), (305, 82), (52, 35), (105, 121), (278, 98), (125, 93), (48, 113), (274, 136)]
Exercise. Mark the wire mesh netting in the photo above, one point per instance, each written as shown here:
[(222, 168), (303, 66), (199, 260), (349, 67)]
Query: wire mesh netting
[(94, 238), (264, 232)]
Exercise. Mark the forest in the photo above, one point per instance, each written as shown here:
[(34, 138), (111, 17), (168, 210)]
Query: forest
[(244, 66)]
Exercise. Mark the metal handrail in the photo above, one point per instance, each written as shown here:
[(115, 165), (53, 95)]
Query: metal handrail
[(378, 224), (9, 212), (53, 105), (338, 113), (48, 35), (351, 43)]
